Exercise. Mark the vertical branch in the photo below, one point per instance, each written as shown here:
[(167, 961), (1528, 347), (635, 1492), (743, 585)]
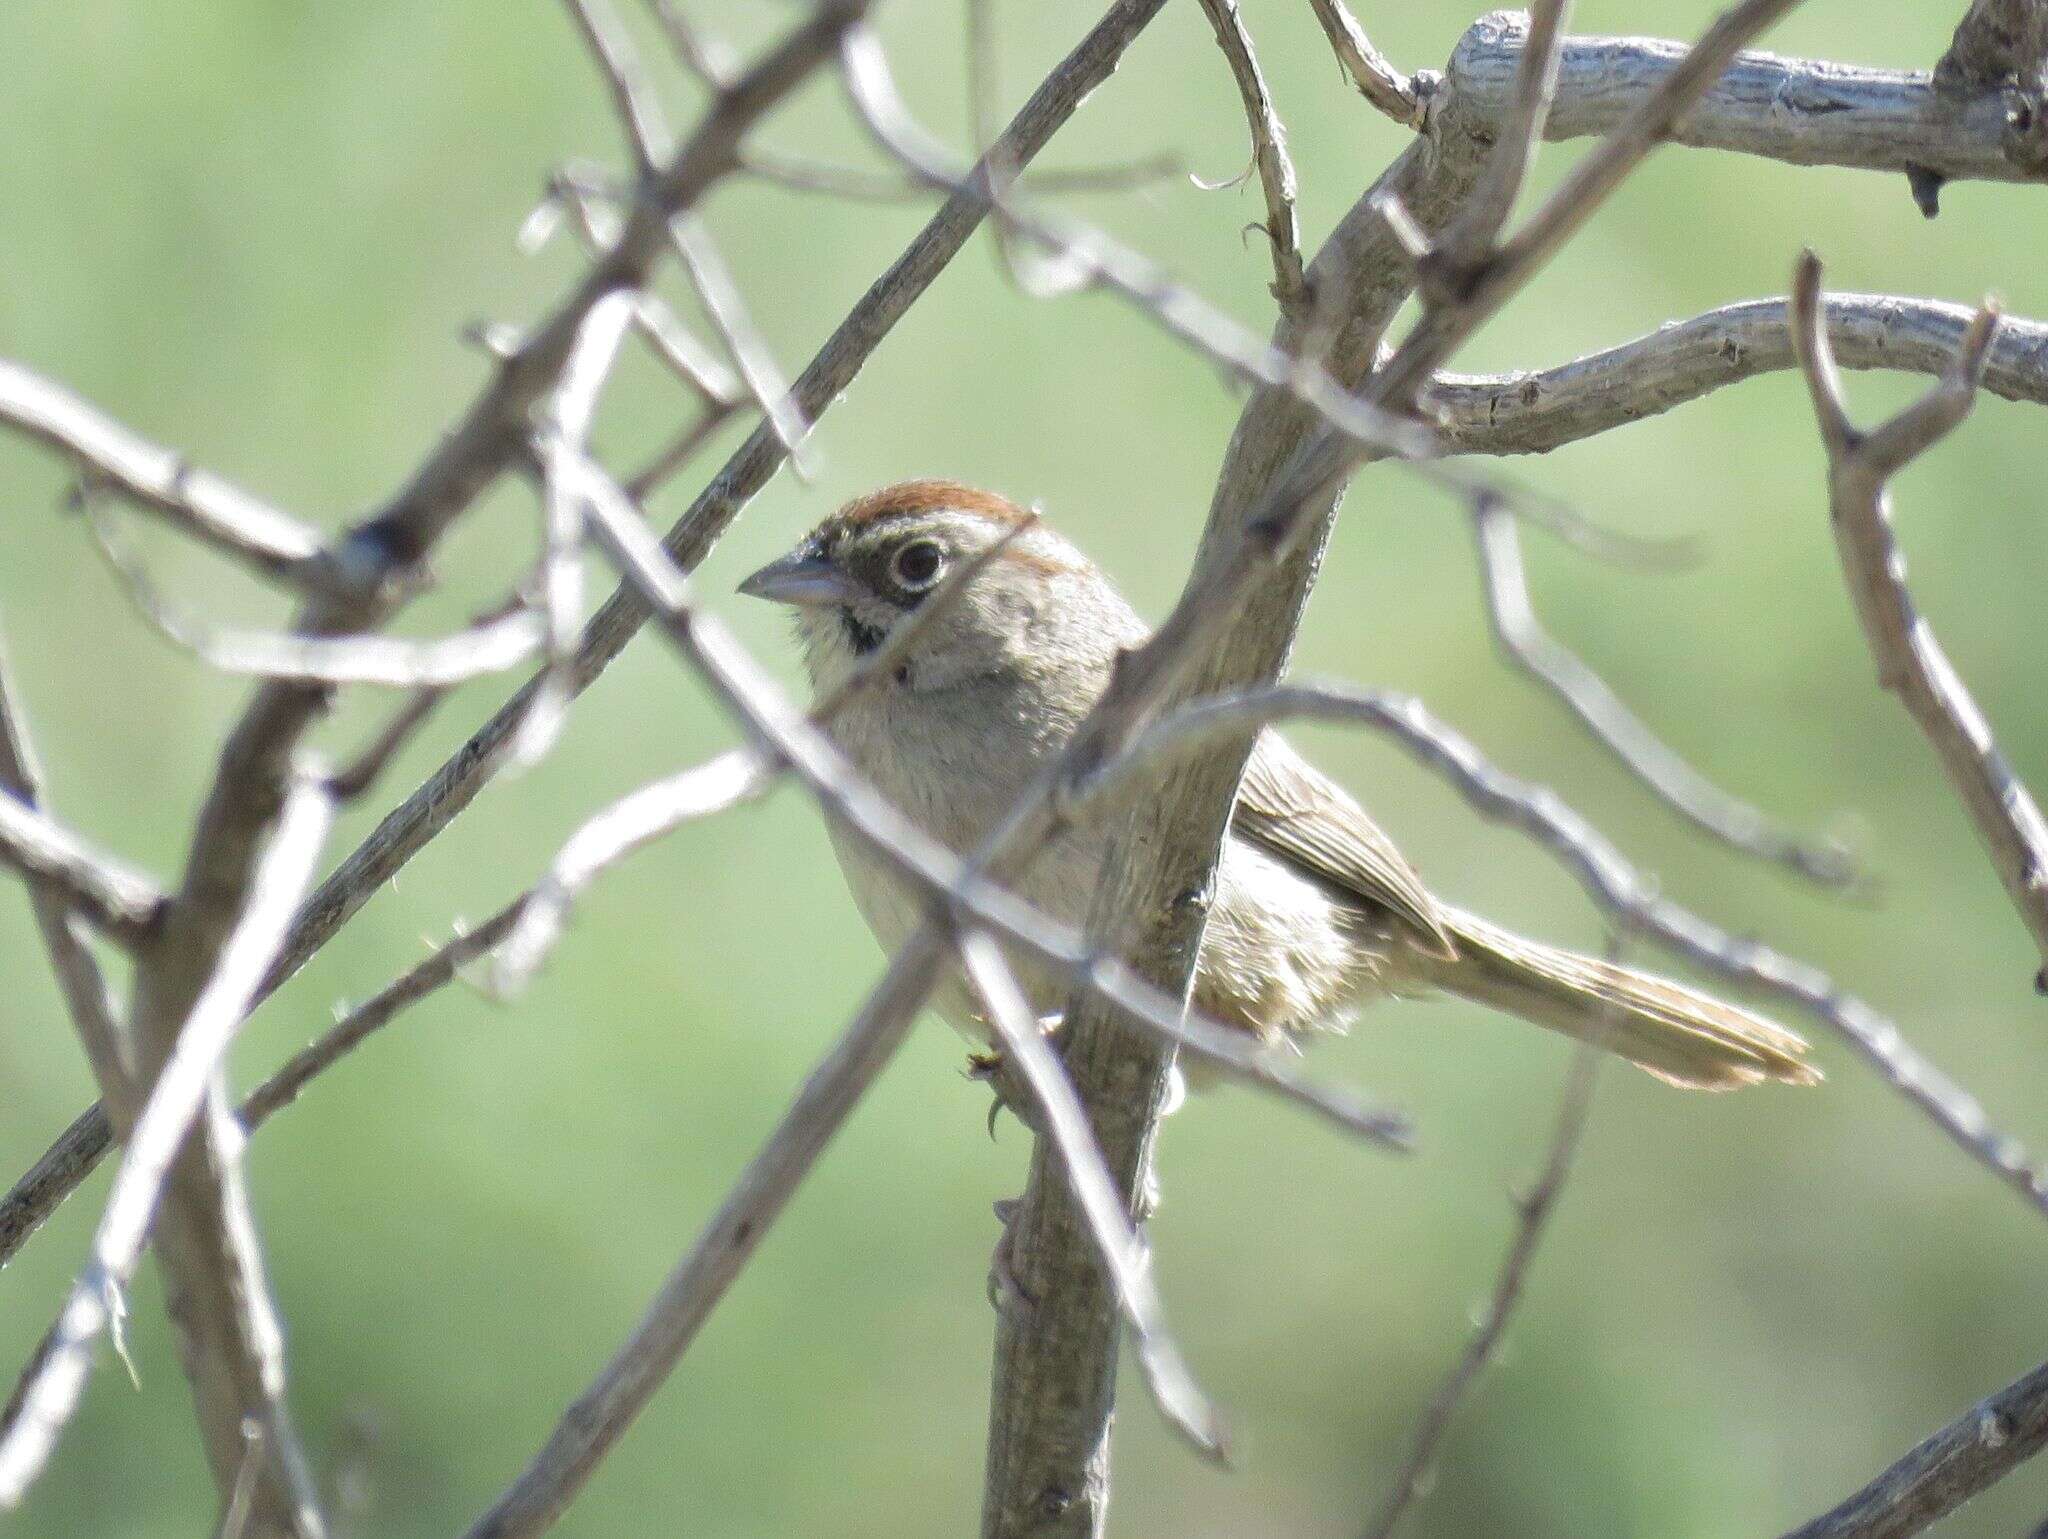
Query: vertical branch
[(1055, 1369)]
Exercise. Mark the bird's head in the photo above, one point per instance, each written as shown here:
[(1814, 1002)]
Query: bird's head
[(1037, 604)]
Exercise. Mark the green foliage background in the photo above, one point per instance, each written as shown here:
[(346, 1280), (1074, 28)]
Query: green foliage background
[(254, 231)]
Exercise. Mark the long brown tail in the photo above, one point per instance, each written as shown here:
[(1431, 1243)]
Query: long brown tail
[(1677, 1034)]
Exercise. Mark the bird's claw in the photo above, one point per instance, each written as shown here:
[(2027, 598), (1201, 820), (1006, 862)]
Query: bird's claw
[(1005, 1292)]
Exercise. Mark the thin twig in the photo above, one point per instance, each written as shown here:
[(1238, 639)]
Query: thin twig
[(121, 903), (1468, 240), (496, 645), (603, 1412), (1532, 1216), (162, 481), (639, 109), (1269, 153), (1910, 661), (720, 296), (1733, 821), (1391, 92), (565, 427)]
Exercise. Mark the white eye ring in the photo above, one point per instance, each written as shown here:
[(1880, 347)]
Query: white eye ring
[(917, 565)]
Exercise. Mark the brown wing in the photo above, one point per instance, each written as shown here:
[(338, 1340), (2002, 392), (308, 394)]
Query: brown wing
[(1289, 808)]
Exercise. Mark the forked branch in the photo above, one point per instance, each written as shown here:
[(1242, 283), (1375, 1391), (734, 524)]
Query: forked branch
[(1910, 661)]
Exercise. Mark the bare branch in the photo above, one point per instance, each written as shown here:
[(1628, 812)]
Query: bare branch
[(1470, 237), (1535, 412), (602, 1413), (78, 974), (1532, 1216), (1390, 91), (1269, 153), (1979, 1448), (378, 1011), (720, 295), (562, 429), (1604, 713), (221, 515), (190, 1074), (635, 820), (639, 109), (124, 905), (491, 646), (1174, 1390), (1804, 112), (1910, 661)]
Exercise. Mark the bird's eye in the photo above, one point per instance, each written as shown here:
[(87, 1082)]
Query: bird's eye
[(916, 565)]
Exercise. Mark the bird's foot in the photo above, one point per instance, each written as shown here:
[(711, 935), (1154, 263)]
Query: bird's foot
[(994, 1069), (1005, 1292)]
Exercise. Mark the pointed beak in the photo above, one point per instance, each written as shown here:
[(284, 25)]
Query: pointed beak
[(801, 577)]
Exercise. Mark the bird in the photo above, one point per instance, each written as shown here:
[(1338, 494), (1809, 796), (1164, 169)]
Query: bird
[(1315, 912)]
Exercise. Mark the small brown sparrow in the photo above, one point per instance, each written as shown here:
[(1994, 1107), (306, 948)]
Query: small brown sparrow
[(1315, 911)]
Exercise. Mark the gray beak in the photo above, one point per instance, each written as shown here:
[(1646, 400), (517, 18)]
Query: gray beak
[(801, 577)]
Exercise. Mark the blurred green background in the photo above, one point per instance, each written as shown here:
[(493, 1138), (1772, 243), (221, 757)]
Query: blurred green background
[(255, 231)]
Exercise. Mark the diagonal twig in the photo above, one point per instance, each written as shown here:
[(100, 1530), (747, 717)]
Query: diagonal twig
[(603, 1412), (77, 971), (1975, 1451), (1174, 1390), (1533, 1212), (162, 481), (1607, 716)]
